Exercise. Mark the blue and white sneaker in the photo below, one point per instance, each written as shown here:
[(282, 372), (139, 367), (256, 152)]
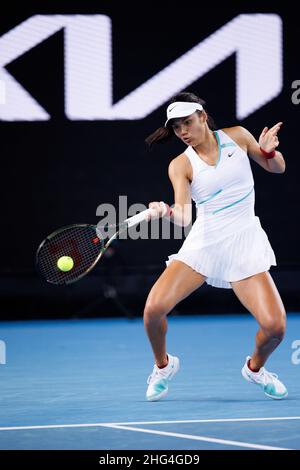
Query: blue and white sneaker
[(158, 381), (268, 381)]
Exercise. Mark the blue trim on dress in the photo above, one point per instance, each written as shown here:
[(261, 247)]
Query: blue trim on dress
[(228, 144), (233, 203), (208, 198)]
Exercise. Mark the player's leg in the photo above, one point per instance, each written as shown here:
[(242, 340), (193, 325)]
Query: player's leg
[(175, 283), (260, 296)]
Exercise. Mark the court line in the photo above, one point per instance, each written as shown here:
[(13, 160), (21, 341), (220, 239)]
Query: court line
[(218, 420), (201, 438), (90, 425)]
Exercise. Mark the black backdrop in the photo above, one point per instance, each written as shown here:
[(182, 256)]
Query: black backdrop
[(57, 172)]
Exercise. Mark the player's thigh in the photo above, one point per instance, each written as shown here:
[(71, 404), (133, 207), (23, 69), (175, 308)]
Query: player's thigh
[(259, 294), (176, 282)]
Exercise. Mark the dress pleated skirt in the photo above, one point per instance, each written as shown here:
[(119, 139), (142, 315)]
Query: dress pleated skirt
[(236, 256)]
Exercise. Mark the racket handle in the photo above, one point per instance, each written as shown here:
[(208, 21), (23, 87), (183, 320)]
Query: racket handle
[(144, 215)]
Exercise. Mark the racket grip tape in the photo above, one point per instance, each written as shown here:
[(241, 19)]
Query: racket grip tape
[(144, 215)]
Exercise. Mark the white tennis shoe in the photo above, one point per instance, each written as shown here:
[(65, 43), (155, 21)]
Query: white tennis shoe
[(268, 381), (158, 381)]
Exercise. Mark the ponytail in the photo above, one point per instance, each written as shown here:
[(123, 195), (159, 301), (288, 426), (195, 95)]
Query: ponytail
[(160, 136)]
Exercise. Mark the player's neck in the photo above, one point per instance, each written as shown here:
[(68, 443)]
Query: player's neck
[(208, 145)]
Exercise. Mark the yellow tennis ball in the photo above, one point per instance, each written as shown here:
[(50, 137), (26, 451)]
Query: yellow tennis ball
[(65, 263)]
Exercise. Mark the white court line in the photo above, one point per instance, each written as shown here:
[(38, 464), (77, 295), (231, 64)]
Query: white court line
[(90, 425), (218, 420), (201, 438)]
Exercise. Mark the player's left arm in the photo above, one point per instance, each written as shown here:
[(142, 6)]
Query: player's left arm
[(268, 141)]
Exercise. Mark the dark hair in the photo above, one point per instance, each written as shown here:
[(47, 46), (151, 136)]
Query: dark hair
[(163, 134)]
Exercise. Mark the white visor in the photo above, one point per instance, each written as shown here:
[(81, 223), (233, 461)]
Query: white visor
[(180, 109)]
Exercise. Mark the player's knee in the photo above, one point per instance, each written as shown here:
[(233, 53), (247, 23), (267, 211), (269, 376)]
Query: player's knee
[(156, 308), (275, 326)]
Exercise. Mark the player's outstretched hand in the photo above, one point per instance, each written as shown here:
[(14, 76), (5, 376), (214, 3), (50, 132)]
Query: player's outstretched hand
[(268, 139)]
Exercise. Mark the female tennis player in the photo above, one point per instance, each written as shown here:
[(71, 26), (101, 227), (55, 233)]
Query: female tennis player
[(226, 247)]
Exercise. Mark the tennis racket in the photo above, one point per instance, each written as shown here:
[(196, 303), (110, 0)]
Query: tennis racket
[(84, 243)]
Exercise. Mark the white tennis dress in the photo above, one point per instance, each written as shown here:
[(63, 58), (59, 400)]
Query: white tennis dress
[(226, 242)]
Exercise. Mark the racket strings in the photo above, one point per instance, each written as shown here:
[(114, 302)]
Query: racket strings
[(81, 243)]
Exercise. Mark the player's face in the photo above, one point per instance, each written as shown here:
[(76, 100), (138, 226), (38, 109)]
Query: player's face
[(190, 129)]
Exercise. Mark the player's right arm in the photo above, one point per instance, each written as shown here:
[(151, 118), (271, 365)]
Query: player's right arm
[(179, 174)]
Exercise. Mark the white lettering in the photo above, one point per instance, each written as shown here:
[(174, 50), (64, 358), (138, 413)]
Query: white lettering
[(255, 39)]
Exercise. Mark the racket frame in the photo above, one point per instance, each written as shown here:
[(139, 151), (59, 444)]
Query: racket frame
[(130, 222)]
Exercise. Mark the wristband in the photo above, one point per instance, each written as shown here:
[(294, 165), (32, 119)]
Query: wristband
[(268, 155)]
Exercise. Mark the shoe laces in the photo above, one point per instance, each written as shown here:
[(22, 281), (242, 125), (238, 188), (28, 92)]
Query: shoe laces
[(268, 376), (156, 373)]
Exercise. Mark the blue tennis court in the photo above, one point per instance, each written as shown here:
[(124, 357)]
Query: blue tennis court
[(80, 384)]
